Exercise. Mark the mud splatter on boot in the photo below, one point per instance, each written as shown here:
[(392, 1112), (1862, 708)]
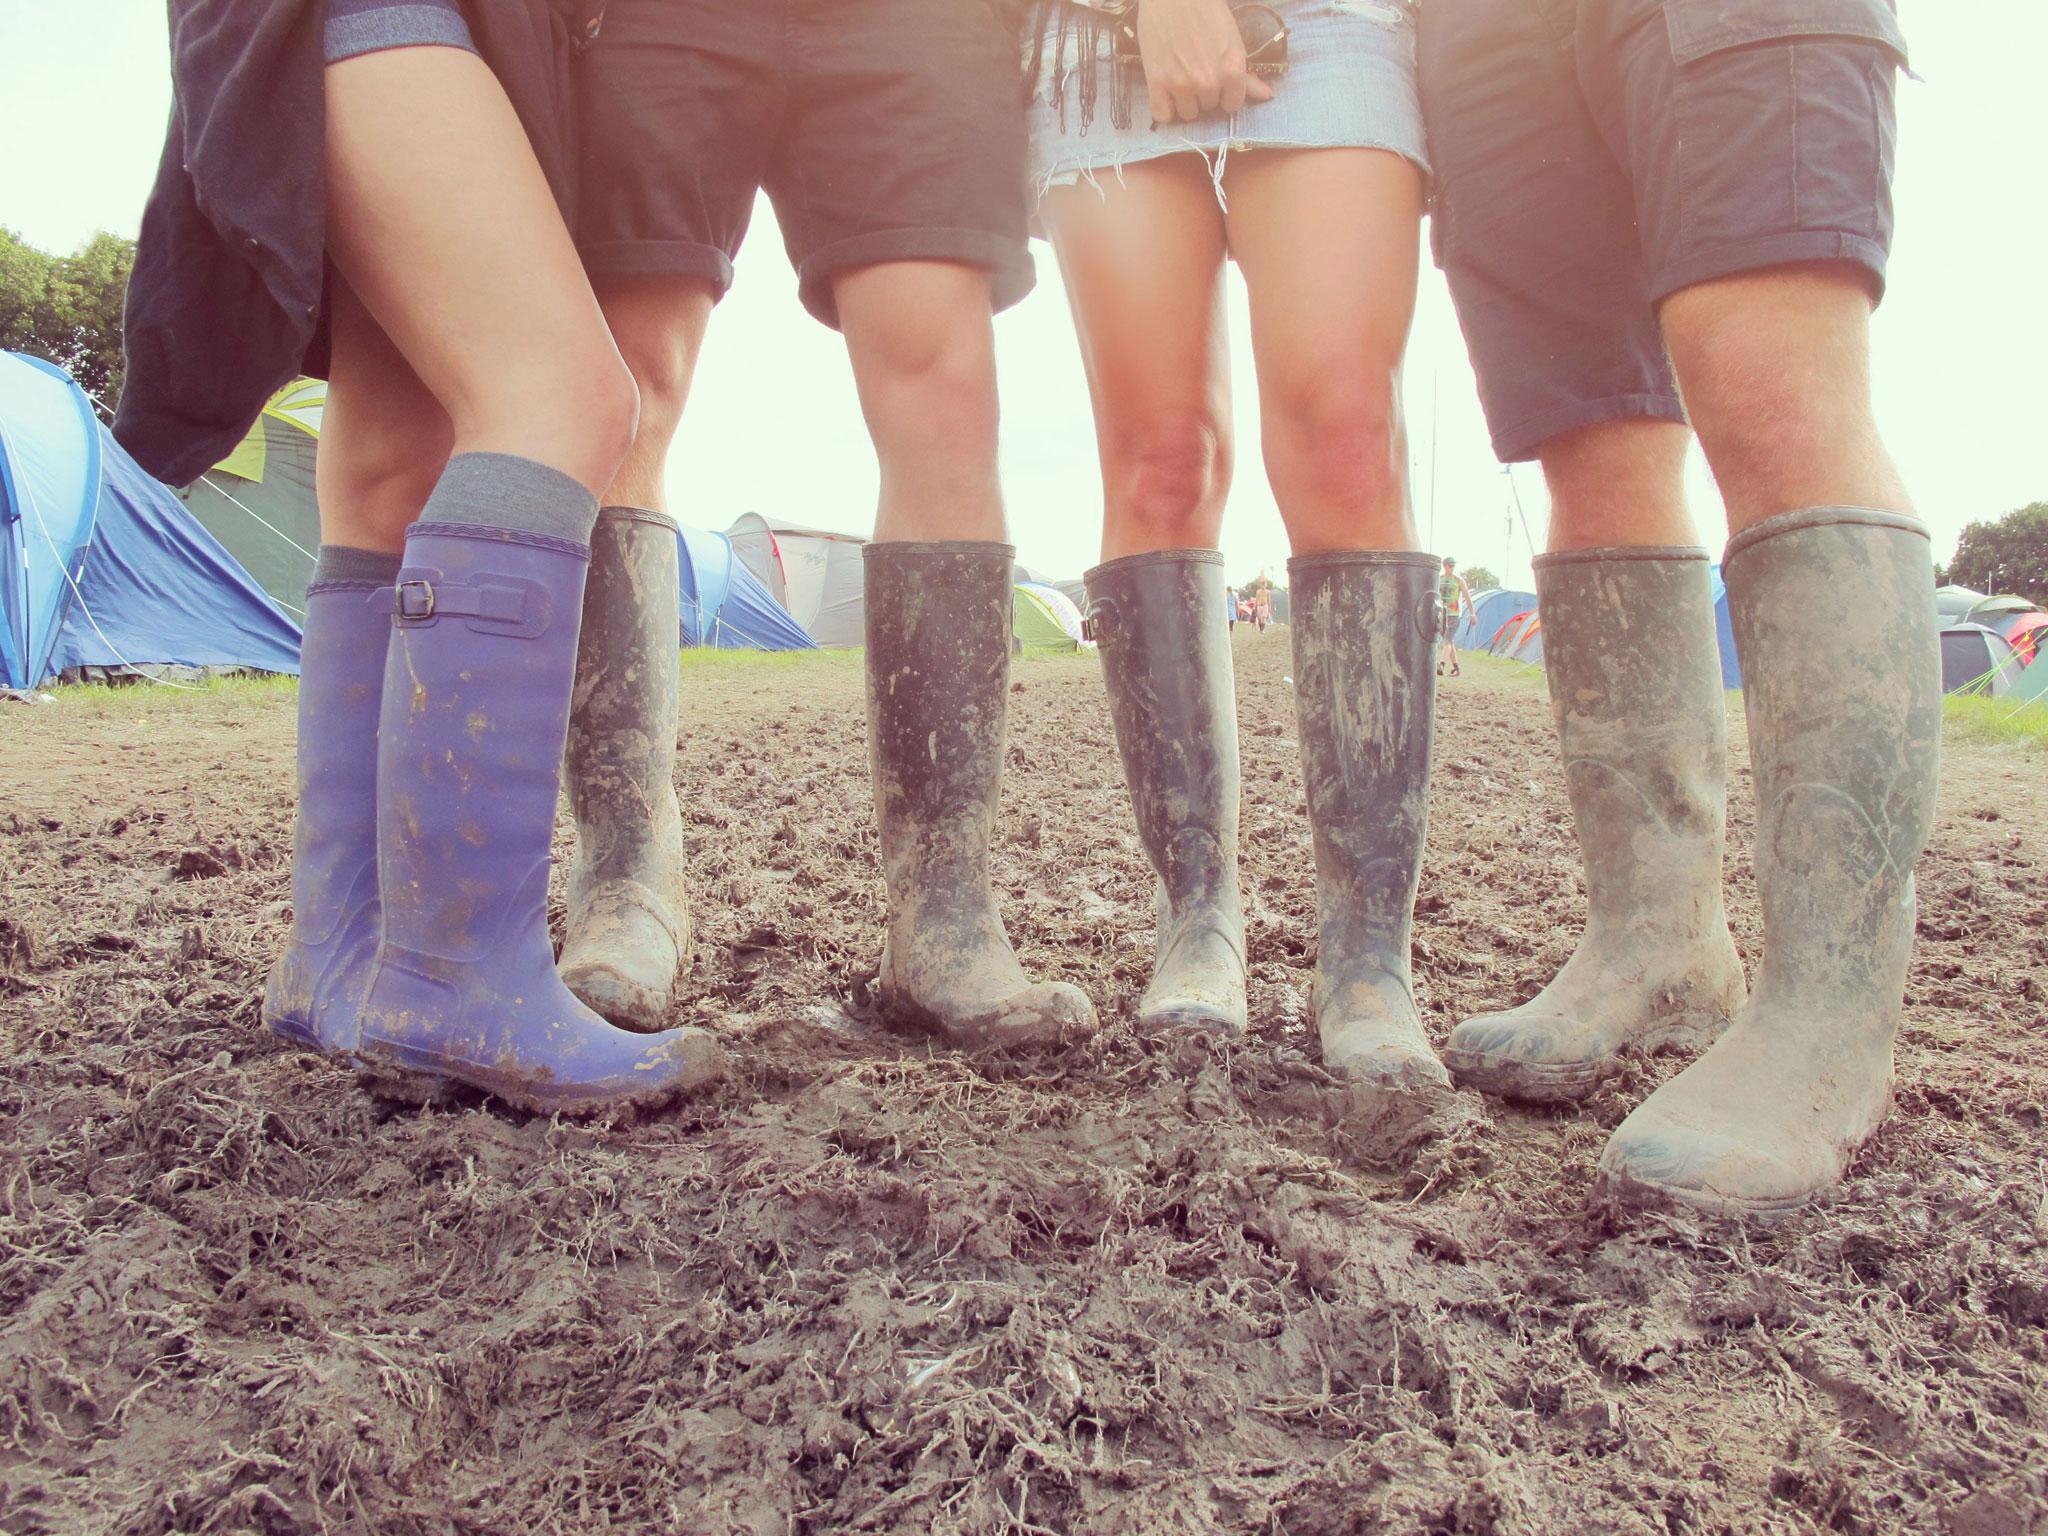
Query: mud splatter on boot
[(469, 755), (1172, 695), (315, 991), (1634, 671), (627, 938), (1834, 621), (1365, 634), (938, 666)]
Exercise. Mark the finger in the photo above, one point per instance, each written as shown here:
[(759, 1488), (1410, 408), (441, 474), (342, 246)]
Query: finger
[(1162, 102), (1187, 103), (1234, 87), (1257, 90)]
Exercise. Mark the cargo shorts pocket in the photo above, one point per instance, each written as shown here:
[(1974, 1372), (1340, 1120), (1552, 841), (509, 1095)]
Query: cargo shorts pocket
[(1701, 28)]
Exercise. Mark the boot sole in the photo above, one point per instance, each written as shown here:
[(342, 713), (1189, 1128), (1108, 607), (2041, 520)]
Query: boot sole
[(1191, 1021), (1570, 1082), (1625, 1195), (417, 1077)]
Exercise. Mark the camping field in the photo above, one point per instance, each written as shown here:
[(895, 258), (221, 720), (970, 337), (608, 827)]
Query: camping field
[(867, 1287)]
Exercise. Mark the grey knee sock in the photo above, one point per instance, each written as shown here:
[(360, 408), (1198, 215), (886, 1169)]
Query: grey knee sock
[(356, 567), (502, 490)]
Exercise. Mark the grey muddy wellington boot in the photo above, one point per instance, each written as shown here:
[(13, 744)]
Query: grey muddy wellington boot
[(1365, 638), (938, 677), (1173, 697), (1834, 621), (1635, 683), (628, 934)]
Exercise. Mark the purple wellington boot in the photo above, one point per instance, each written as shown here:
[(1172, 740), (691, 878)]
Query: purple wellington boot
[(476, 712), (316, 986)]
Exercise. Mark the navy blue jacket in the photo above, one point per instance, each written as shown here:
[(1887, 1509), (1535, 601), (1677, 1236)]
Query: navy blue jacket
[(225, 305)]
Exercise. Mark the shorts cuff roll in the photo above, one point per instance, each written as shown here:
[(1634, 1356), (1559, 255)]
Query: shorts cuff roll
[(660, 258), (403, 26), (1007, 260), (1790, 249), (1520, 442)]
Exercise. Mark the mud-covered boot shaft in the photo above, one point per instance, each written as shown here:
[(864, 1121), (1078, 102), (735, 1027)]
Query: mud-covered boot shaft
[(1634, 670), (1365, 637), (627, 938), (1834, 621), (938, 665), (1172, 695), (315, 992), (476, 712)]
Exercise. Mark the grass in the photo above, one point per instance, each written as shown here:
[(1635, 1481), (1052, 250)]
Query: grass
[(234, 691), (1997, 722)]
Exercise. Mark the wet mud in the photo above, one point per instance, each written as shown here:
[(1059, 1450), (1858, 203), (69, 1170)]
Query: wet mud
[(868, 1286)]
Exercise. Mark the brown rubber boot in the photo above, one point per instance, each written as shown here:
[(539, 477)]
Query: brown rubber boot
[(1365, 628), (938, 664), (1173, 699), (628, 934), (1834, 621), (1635, 682)]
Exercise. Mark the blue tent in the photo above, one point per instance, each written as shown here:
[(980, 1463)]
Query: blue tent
[(725, 605), (1724, 634), (101, 566)]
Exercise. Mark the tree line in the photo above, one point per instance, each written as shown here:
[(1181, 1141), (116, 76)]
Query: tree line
[(67, 309)]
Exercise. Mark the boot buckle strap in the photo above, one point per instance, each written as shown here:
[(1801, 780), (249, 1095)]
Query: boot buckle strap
[(494, 605)]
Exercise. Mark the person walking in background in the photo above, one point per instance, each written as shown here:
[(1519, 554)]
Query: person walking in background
[(1454, 598), (1230, 606), (889, 136), (1262, 608), (355, 172), (1639, 200), (1288, 137)]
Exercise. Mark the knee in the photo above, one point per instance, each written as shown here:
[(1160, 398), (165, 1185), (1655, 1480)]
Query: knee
[(1167, 477), (928, 389), (1337, 440), (607, 405), (374, 477)]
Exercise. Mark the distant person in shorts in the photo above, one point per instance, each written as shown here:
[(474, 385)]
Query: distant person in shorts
[(1454, 599), (1230, 606), (1638, 202), (890, 138)]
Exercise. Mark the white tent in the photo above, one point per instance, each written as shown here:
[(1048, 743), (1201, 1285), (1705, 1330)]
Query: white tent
[(815, 575)]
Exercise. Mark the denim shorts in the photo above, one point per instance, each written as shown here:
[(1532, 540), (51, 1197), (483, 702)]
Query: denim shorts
[(370, 26), (1593, 157), (1350, 84)]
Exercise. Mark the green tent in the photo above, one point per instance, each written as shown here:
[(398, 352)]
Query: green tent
[(259, 501), (1037, 626)]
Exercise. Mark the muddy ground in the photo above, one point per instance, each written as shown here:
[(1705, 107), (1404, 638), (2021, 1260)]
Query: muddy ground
[(867, 1287)]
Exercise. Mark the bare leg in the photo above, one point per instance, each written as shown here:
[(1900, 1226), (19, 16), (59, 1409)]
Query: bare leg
[(504, 332), (1327, 241), (660, 324), (922, 339), (1143, 262), (384, 439)]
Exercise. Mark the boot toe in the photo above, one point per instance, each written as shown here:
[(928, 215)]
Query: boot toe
[(623, 961), (1207, 1016), (1524, 1056), (1654, 1162), (1050, 1014)]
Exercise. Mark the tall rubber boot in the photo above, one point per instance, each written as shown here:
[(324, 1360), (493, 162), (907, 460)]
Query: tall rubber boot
[(628, 933), (1834, 621), (1365, 635), (1634, 671), (938, 665), (315, 992), (1173, 698), (469, 755)]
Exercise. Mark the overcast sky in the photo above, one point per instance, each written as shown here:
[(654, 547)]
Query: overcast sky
[(1962, 342)]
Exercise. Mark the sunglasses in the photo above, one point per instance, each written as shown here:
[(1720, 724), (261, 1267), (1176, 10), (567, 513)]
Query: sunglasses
[(1260, 27)]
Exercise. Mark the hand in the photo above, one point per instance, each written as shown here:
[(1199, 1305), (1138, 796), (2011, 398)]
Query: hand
[(1194, 60)]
